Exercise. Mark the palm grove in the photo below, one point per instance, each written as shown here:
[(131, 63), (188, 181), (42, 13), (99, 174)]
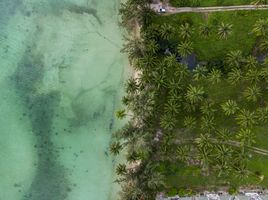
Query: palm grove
[(204, 118)]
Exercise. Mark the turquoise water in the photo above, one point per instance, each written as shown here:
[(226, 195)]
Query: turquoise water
[(61, 79)]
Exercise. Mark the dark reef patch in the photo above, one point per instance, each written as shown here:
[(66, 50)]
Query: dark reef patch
[(50, 181), (81, 10)]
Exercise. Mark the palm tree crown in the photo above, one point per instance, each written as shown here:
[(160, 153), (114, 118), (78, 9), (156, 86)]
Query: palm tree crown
[(246, 136), (261, 27), (185, 48), (207, 123), (224, 30), (120, 114), (166, 31), (235, 76), (234, 58), (189, 122), (115, 148), (172, 106), (167, 121), (264, 45), (205, 30), (251, 62), (200, 72), (246, 118), (253, 75), (229, 107), (121, 169), (195, 94), (185, 31), (214, 76), (252, 93), (152, 47)]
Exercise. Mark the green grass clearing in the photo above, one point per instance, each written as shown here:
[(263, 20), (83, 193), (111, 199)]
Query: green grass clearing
[(213, 48)]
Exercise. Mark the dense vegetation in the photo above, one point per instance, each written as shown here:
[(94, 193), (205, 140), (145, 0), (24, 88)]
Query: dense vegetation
[(190, 130)]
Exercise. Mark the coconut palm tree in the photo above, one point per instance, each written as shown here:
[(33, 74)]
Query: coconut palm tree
[(251, 62), (189, 122), (264, 73), (264, 45), (170, 61), (152, 32), (252, 93), (246, 137), (195, 94), (205, 157), (132, 156), (261, 28), (120, 114), (155, 181), (167, 121), (223, 134), (131, 191), (185, 31), (245, 118), (262, 115), (223, 154), (207, 123), (208, 108), (214, 76), (200, 72), (172, 106), (221, 167), (241, 172), (204, 141), (115, 148), (147, 61), (235, 76), (189, 107), (129, 17), (229, 107), (146, 15), (166, 145), (222, 158), (182, 153), (240, 158), (159, 79), (126, 100), (265, 62), (134, 48), (253, 75), (185, 48), (182, 72), (205, 30), (121, 169), (131, 86), (166, 31), (224, 30), (234, 58), (174, 86), (151, 46)]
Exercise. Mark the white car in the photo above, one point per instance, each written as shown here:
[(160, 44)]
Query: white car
[(162, 10)]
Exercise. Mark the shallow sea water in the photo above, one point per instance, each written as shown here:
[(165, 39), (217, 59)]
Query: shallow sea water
[(61, 80)]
